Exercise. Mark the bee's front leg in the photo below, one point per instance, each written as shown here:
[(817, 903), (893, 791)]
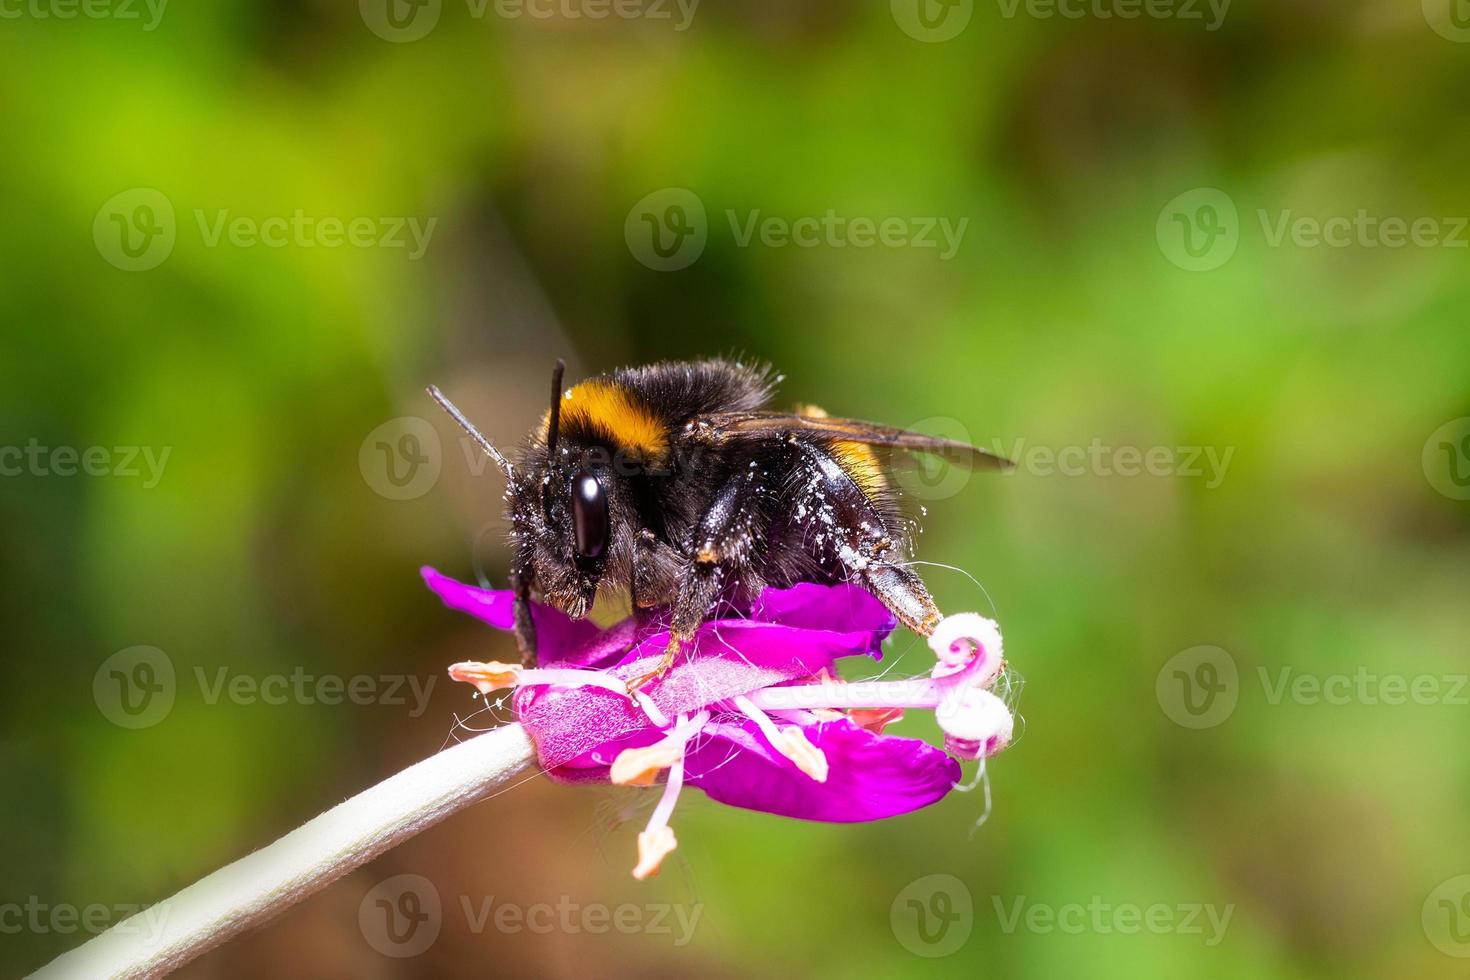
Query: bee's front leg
[(656, 568), (525, 626)]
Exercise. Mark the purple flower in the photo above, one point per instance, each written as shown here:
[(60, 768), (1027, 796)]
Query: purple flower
[(753, 714)]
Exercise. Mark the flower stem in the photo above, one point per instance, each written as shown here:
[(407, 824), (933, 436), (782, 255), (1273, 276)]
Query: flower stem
[(257, 887)]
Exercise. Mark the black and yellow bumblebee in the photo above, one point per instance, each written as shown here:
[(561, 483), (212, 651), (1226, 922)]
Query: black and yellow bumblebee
[(674, 483)]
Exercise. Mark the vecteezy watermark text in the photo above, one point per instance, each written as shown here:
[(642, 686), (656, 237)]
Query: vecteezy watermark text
[(149, 12), (137, 229), (303, 230), (1211, 12), (1362, 229), (37, 917), (401, 916), (1098, 459), (136, 688), (679, 12), (128, 462), (402, 21), (1200, 687), (1201, 229), (1102, 917), (302, 687), (833, 230), (668, 229)]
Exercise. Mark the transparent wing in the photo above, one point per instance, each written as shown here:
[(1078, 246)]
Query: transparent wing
[(736, 425)]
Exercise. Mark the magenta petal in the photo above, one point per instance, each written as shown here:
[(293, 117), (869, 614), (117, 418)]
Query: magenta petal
[(730, 657), (555, 631), (786, 636), (818, 607), (870, 776)]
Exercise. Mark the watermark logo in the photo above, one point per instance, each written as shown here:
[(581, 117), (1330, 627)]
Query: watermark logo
[(400, 21), (1446, 459), (135, 688), (932, 21), (667, 230), (1446, 916), (401, 458), (135, 230), (934, 476), (1199, 230), (401, 917), (1449, 18), (933, 916), (1198, 687)]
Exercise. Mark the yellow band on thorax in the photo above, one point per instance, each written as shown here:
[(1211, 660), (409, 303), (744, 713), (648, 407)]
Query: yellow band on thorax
[(597, 406)]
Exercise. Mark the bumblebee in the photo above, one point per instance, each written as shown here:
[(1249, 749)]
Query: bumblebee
[(675, 483)]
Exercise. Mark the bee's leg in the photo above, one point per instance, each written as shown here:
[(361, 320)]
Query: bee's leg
[(905, 594), (652, 580), (525, 626), (655, 571), (697, 592), (722, 544), (864, 541)]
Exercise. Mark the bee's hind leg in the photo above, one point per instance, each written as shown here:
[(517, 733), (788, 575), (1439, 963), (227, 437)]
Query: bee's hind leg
[(864, 541), (904, 593)]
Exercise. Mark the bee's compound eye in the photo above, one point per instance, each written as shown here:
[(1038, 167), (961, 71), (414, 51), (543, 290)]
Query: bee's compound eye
[(589, 515)]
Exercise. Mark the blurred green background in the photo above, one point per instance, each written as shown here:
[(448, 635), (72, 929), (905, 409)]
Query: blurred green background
[(1137, 273)]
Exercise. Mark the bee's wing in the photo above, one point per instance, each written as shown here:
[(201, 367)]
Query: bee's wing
[(765, 424)]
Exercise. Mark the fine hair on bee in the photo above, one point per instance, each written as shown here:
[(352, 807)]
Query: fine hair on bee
[(676, 483)]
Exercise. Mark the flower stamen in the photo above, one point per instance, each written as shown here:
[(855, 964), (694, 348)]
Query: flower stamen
[(487, 677), (790, 742), (641, 766), (495, 676), (657, 840), (875, 719)]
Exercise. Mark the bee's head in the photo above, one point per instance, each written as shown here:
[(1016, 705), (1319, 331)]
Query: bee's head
[(565, 505), (564, 510)]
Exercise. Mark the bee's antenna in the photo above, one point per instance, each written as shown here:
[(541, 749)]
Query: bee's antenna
[(554, 423), (474, 433)]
